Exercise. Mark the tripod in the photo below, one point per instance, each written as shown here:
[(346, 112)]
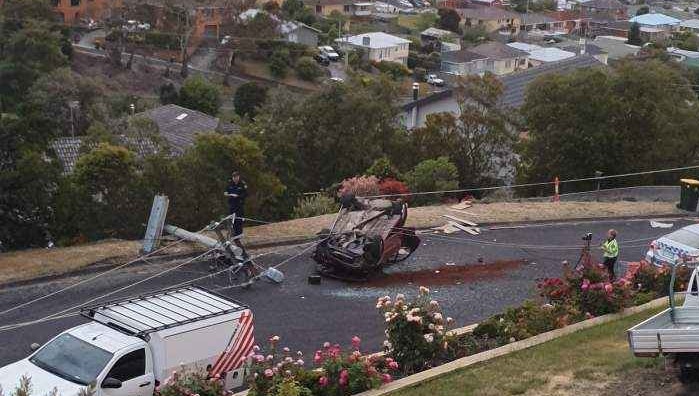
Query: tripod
[(585, 256)]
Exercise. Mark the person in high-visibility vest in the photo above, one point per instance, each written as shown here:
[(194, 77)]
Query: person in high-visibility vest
[(610, 251)]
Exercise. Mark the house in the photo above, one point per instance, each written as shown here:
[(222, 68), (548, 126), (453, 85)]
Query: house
[(69, 149), (603, 9), (690, 25), (616, 47), (611, 28), (592, 50), (493, 57), (178, 126), (656, 21), (77, 12), (378, 46), (538, 21), (344, 7), (539, 55), (414, 113), (490, 19), (441, 40), (300, 33)]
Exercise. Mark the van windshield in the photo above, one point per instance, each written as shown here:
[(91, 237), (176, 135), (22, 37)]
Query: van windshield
[(72, 359)]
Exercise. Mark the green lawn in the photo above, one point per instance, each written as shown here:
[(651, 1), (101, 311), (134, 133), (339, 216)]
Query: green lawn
[(589, 358)]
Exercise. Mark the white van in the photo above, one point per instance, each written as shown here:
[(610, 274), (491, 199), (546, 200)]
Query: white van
[(132, 345)]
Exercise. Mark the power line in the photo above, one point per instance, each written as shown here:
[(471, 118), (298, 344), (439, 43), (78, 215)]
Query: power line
[(548, 183)]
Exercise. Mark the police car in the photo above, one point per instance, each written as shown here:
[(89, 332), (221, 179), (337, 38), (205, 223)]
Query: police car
[(669, 248)]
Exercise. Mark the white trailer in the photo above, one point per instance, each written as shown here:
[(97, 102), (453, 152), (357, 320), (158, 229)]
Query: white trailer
[(132, 345), (674, 332)]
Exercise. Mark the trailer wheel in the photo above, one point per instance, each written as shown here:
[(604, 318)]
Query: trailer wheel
[(685, 375)]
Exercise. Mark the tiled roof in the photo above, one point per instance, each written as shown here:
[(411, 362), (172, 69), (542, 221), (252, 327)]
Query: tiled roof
[(590, 49), (604, 4), (497, 50), (515, 84), (535, 18), (437, 33), (487, 13), (69, 149), (461, 56), (179, 125)]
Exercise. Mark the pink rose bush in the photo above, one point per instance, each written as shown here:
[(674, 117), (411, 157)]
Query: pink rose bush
[(189, 383), (335, 372), (417, 334)]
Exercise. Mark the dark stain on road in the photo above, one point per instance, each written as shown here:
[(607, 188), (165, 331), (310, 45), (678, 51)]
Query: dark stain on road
[(447, 274)]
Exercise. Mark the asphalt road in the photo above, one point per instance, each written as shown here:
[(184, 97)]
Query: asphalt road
[(307, 315)]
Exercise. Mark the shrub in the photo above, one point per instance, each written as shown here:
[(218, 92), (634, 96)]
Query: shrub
[(190, 382), (391, 186), (360, 186), (433, 175), (279, 373), (523, 322), (394, 69), (307, 69), (314, 205), (382, 168), (416, 331), (279, 63), (248, 98), (648, 278), (197, 93)]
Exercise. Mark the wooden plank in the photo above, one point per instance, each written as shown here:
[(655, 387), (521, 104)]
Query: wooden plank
[(463, 212), (462, 221), (468, 230)]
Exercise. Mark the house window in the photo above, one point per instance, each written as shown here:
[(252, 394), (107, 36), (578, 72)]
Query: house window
[(319, 9), (508, 63), (56, 3), (74, 3), (346, 8)]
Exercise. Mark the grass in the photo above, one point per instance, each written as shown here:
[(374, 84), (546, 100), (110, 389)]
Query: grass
[(590, 358), (32, 263)]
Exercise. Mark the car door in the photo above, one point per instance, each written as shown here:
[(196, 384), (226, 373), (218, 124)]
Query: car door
[(134, 373)]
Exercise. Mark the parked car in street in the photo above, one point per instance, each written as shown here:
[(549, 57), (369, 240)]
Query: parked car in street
[(322, 59), (432, 79), (131, 345), (673, 246), (329, 52)]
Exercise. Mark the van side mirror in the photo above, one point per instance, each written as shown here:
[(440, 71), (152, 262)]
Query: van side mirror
[(111, 383)]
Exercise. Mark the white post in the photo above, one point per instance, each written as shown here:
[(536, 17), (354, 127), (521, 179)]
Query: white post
[(156, 222)]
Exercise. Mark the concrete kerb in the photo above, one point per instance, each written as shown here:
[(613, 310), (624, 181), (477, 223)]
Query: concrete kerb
[(436, 372)]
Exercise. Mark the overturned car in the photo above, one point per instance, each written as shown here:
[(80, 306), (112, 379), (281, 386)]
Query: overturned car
[(366, 235)]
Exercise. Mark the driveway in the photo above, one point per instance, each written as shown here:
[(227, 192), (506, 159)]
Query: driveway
[(337, 69), (473, 278)]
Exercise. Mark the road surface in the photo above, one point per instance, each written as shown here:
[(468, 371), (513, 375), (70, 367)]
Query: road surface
[(307, 315)]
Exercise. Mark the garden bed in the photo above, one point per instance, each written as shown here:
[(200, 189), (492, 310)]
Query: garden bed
[(420, 345)]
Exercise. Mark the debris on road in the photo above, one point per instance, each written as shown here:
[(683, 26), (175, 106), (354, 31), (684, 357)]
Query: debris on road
[(461, 221), (657, 224), (465, 204)]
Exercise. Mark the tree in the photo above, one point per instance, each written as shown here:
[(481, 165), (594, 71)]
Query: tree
[(29, 53), (634, 37), (248, 98), (103, 197), (642, 10), (197, 93), (63, 102), (279, 63), (195, 181), (479, 140), (330, 135), (307, 69), (610, 121), (168, 93), (449, 19), (393, 69), (27, 185)]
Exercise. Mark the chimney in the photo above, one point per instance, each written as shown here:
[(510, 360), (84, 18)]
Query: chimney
[(416, 91), (366, 41)]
